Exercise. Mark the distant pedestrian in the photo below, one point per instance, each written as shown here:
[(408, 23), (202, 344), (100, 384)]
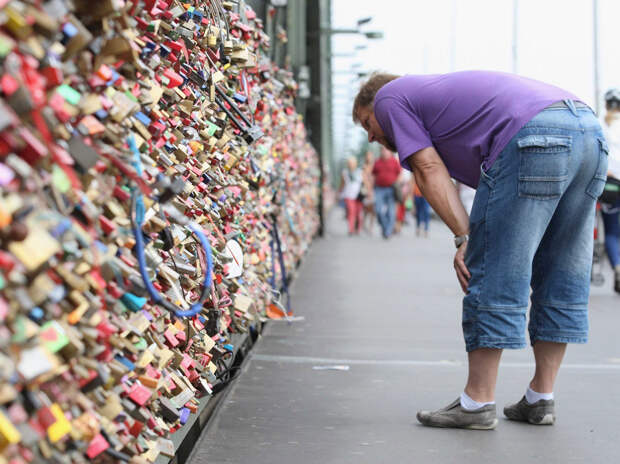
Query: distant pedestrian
[(404, 194), (385, 171), (611, 211), (422, 212), (368, 193), (538, 158), (351, 186)]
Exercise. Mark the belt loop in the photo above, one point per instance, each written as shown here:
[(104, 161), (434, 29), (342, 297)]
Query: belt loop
[(571, 106)]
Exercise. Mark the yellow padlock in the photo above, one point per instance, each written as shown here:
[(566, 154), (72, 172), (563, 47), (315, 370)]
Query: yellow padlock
[(212, 40), (61, 427), (9, 435)]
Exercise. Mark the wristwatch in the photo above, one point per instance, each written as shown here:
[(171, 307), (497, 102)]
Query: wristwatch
[(460, 239)]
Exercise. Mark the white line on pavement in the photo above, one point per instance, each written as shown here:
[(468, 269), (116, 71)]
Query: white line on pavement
[(408, 362)]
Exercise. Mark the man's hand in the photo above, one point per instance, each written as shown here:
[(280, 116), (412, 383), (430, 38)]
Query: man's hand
[(462, 273), (434, 181)]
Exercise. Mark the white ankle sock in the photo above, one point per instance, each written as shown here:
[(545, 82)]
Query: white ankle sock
[(470, 405), (532, 397)]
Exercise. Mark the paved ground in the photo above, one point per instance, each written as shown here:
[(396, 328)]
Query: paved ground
[(390, 311)]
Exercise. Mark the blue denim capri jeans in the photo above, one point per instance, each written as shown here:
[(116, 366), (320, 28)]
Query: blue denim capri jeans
[(531, 233)]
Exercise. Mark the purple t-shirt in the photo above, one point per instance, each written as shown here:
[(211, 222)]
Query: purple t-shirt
[(469, 117)]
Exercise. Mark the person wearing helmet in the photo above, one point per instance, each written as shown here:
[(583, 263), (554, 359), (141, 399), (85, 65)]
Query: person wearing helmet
[(537, 156), (611, 212)]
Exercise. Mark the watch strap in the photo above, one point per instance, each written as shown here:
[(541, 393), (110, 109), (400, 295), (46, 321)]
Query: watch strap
[(460, 239)]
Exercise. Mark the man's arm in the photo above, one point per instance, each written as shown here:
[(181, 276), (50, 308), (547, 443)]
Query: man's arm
[(437, 187)]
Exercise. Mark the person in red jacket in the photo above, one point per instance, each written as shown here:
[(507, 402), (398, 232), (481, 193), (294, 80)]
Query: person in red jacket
[(386, 171)]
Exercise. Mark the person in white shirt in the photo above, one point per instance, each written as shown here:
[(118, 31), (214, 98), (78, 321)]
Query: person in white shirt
[(351, 185)]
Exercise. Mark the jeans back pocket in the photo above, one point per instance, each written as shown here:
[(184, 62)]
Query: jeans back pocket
[(597, 184), (543, 165)]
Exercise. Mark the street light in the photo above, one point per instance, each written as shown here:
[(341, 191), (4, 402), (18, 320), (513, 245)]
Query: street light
[(357, 30), (374, 34), (343, 55), (368, 34), (352, 72)]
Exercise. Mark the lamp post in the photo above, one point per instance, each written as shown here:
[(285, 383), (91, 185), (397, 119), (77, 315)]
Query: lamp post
[(515, 36), (597, 90), (319, 104)]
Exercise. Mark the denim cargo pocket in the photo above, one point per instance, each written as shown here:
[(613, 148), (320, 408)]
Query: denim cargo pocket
[(543, 168), (597, 184)]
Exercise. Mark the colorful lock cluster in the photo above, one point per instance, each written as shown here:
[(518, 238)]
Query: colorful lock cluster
[(156, 184)]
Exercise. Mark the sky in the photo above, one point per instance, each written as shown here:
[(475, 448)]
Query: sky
[(554, 44)]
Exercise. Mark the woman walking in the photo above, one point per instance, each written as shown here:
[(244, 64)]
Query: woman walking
[(351, 185)]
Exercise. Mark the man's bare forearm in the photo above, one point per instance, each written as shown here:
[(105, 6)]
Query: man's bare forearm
[(437, 187)]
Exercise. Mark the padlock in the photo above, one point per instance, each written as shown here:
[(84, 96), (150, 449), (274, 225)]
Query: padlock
[(211, 40), (227, 47), (80, 287)]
